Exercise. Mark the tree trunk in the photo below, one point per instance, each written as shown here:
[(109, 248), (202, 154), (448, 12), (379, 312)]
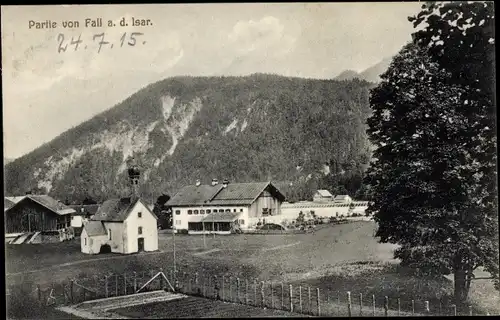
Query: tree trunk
[(461, 289)]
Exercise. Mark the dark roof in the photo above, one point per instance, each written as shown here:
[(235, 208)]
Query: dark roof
[(88, 209), (94, 228), (117, 209), (232, 194), (48, 202), (222, 217)]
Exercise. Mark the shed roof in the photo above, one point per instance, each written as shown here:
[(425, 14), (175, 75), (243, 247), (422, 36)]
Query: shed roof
[(117, 209), (95, 228), (341, 197), (221, 217), (232, 194), (324, 193), (7, 203), (15, 199), (47, 202)]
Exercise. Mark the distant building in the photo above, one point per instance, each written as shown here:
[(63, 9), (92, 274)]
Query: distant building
[(322, 196), (324, 210), (126, 225), (82, 214), (221, 207), (342, 199), (38, 218)]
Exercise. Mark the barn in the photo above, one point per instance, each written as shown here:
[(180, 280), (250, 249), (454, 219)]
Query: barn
[(38, 218), (126, 225)]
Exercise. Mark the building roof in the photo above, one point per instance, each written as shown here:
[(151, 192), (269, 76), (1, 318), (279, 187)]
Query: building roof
[(15, 199), (232, 194), (84, 209), (94, 228), (117, 209), (47, 202), (341, 197), (325, 193), (7, 204), (221, 217)]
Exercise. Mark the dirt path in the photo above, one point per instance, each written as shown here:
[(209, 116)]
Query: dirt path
[(282, 246)]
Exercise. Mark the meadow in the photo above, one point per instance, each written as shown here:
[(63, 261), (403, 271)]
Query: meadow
[(336, 259)]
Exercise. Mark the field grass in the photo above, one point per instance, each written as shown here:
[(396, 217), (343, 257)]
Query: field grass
[(336, 259)]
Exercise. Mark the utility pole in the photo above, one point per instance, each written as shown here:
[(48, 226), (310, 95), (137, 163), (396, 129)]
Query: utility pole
[(173, 241), (203, 226)]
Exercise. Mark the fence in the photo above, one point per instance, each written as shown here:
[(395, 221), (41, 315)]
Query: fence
[(297, 298)]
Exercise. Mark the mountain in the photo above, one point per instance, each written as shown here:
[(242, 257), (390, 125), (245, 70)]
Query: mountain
[(299, 132), (371, 74)]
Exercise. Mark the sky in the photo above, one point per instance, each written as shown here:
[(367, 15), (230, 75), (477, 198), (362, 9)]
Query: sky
[(46, 92)]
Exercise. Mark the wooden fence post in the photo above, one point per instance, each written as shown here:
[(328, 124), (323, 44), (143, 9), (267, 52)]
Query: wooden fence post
[(318, 302), (223, 288), (427, 309), (290, 297), (454, 309), (106, 286), (216, 288), (238, 300), (300, 299), (399, 307), (230, 289), (204, 285), (161, 279), (255, 292), (196, 282), (309, 299), (262, 294), (125, 282), (190, 288), (272, 295), (246, 291), (360, 304), (116, 285), (71, 288), (470, 310), (349, 304), (386, 306), (282, 296), (135, 282), (412, 307), (39, 291), (373, 305)]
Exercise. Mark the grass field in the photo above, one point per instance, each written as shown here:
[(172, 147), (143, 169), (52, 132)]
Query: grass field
[(336, 259)]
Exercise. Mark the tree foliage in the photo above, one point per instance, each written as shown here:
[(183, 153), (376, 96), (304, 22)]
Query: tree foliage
[(163, 212), (433, 177)]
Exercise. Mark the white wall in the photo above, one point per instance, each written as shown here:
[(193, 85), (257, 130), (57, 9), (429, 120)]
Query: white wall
[(149, 229), (185, 218), (118, 240), (91, 245), (77, 221)]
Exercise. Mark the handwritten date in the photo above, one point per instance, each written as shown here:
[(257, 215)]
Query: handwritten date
[(99, 39)]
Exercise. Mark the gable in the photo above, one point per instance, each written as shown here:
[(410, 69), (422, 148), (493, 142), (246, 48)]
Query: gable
[(140, 207)]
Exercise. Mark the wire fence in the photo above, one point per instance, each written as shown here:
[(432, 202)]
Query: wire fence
[(296, 298)]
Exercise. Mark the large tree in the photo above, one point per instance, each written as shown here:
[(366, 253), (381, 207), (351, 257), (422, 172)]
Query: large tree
[(433, 178)]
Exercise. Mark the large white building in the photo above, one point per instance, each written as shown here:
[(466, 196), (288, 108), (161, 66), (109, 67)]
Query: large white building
[(126, 225), (221, 207)]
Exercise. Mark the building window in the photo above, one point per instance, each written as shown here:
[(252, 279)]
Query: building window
[(139, 214), (241, 210), (209, 211), (202, 211), (221, 210), (195, 211), (234, 210), (242, 221), (109, 230), (228, 210), (139, 230), (177, 211), (85, 241), (190, 211)]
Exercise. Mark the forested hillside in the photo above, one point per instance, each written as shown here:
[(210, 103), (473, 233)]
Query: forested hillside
[(303, 133)]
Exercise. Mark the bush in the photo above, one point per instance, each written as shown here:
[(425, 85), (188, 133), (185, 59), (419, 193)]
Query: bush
[(182, 231)]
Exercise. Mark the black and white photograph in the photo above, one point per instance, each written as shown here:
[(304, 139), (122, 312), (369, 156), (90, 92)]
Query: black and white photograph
[(235, 160)]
